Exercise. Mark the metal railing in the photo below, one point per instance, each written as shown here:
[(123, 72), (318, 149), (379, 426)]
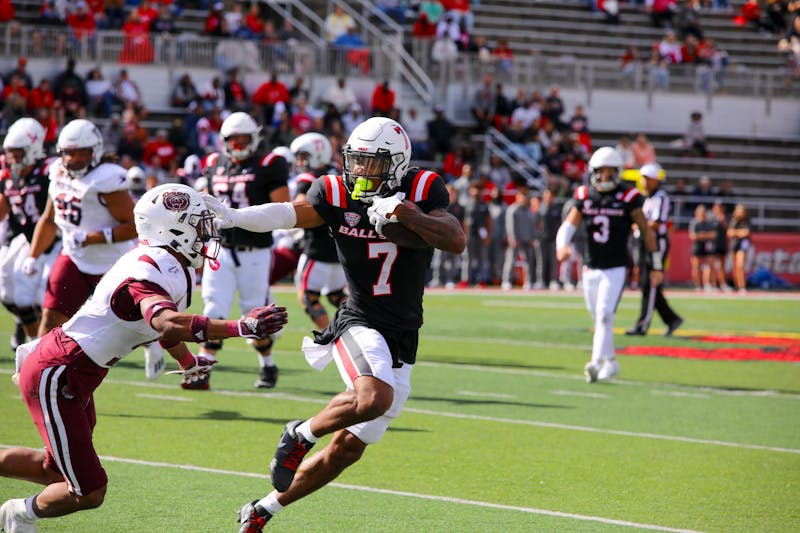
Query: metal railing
[(514, 156)]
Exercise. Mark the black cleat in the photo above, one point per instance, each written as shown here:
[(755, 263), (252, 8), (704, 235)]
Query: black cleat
[(267, 377), (636, 331), (253, 518), (291, 450), (673, 326), (18, 337), (201, 383)]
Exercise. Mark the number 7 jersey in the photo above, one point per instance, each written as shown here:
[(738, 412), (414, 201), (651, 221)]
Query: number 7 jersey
[(386, 281)]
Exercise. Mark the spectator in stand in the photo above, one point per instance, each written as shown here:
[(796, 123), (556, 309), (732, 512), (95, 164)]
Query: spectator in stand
[(433, 9), (687, 20), (382, 100), (727, 196), (520, 226), (625, 149), (130, 145), (253, 26), (162, 148), (236, 98), (503, 55), (164, 23), (339, 95), (337, 23), (720, 249), (689, 50), (702, 233), (47, 118), (353, 49), (669, 48), (100, 94), (127, 91), (694, 140), (498, 172), (739, 233), (352, 118), (417, 130), (112, 133), (643, 151), (82, 25), (214, 24), (704, 193), (629, 62), (526, 114), (502, 108), (15, 100), (716, 61), (660, 12), (137, 47), (184, 92), (423, 28), (448, 28), (21, 71), (233, 21), (459, 10), (7, 11), (440, 134), (267, 96), (289, 33), (483, 104), (114, 11), (41, 96), (393, 9), (147, 13), (554, 107), (301, 120)]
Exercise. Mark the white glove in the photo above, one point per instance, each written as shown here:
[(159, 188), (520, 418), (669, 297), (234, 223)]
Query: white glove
[(381, 212), (78, 238), (196, 372), (30, 267), (225, 217)]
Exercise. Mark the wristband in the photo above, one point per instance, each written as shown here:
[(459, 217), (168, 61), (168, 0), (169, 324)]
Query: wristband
[(168, 345), (656, 263), (232, 328), (199, 327), (108, 234)]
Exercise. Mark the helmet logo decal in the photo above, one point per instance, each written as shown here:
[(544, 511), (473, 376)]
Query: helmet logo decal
[(352, 219), (176, 201)]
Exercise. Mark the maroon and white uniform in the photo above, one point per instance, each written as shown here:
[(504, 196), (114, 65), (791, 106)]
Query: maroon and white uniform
[(60, 375), (79, 207)]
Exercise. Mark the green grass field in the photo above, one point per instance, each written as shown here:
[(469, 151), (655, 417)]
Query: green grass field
[(500, 434)]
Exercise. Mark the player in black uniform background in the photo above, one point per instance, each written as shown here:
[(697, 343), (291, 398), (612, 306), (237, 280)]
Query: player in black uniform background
[(24, 181), (606, 210), (318, 270), (373, 337), (241, 177)]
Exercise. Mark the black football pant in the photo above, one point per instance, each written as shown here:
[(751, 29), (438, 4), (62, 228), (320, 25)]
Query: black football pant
[(653, 297)]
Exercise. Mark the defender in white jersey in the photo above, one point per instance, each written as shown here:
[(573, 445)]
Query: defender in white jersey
[(90, 203), (139, 300)]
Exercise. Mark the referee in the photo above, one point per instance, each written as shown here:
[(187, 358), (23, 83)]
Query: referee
[(656, 210)]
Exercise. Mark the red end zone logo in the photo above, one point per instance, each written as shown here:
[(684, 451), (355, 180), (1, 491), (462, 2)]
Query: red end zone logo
[(352, 219), (176, 201)]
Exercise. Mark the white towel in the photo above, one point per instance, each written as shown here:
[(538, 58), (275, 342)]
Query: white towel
[(317, 355), (23, 351)]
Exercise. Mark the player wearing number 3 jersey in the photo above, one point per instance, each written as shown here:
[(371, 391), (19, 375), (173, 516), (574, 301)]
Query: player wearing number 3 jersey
[(373, 337), (606, 210)]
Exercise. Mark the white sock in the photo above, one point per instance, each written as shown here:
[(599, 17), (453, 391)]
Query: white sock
[(270, 503), (304, 430), (265, 360), (29, 507)]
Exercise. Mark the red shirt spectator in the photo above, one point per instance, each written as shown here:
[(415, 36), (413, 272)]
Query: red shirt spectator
[(383, 100), (271, 92), (423, 29), (7, 10), (15, 86), (162, 148), (147, 13), (502, 50), (82, 22), (252, 20), (137, 47), (510, 193), (455, 5), (41, 96), (50, 125)]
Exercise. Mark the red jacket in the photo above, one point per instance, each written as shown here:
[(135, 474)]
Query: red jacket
[(382, 100)]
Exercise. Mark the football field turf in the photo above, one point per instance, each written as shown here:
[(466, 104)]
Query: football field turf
[(500, 434)]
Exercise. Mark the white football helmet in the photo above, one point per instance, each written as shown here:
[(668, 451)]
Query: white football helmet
[(318, 148), (175, 215), (81, 133), (136, 179), (28, 135), (653, 171), (239, 123), (376, 157), (605, 157), (192, 166)]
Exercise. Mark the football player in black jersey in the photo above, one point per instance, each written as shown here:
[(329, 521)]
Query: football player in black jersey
[(318, 270), (373, 337), (606, 210), (241, 176), (23, 195)]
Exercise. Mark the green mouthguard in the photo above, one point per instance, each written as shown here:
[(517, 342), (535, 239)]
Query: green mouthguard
[(361, 186)]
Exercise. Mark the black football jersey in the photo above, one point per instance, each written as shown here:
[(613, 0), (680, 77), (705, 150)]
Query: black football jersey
[(243, 184), (386, 281), (27, 198), (607, 221), (318, 242)]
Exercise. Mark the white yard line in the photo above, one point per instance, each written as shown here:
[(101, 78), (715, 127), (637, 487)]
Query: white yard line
[(375, 490), (597, 395), (497, 395), (164, 397)]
